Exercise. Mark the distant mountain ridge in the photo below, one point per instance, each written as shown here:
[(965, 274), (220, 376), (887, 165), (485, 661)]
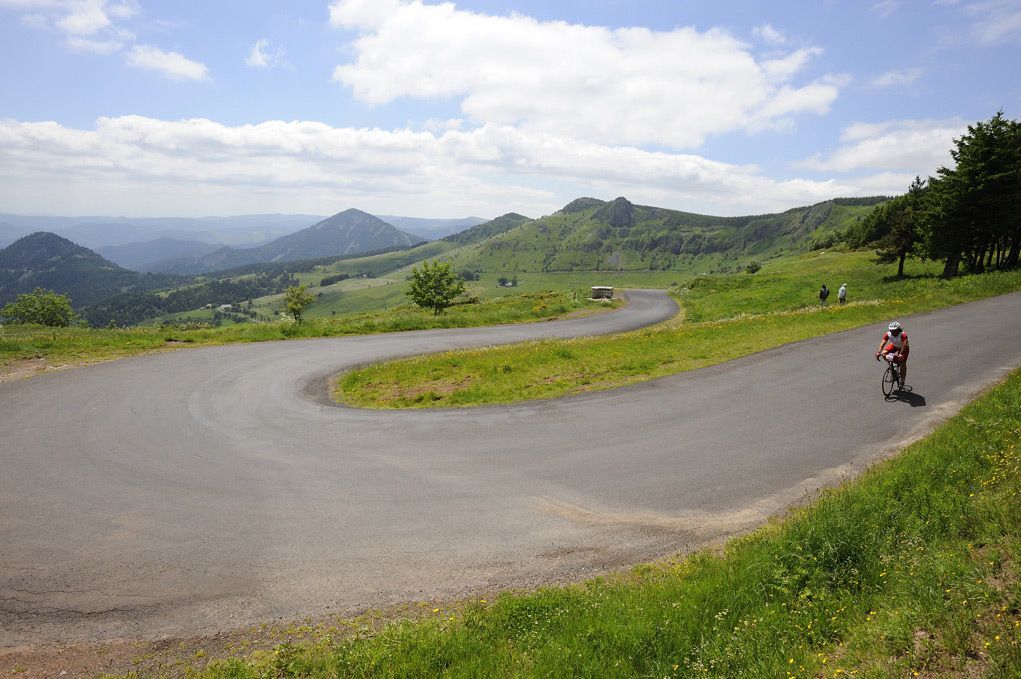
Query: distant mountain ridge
[(345, 233), (98, 231), (49, 261), (432, 229), (145, 255), (589, 234), (10, 233)]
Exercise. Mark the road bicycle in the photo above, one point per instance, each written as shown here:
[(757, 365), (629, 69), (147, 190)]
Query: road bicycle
[(892, 378)]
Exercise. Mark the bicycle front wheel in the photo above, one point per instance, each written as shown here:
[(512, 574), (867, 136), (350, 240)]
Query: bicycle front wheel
[(889, 381)]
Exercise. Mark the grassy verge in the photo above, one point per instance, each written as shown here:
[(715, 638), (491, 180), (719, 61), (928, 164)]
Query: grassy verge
[(910, 570), (81, 345), (361, 294), (725, 317)]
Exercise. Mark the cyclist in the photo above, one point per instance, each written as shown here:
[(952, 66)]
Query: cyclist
[(894, 347)]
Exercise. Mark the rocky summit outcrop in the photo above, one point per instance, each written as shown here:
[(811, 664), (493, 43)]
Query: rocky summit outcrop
[(581, 204), (620, 213)]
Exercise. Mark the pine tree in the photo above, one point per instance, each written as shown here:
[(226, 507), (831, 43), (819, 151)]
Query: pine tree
[(974, 207), (900, 221)]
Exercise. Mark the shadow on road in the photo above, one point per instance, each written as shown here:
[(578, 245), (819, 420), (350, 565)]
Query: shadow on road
[(907, 395)]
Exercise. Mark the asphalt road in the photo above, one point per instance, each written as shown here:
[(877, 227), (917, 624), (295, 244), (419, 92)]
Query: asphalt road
[(206, 489)]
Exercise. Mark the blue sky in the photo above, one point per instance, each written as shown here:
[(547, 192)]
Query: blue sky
[(130, 107)]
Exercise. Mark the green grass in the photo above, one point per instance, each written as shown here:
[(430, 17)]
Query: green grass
[(362, 270), (910, 570), (384, 292), (725, 317), (84, 345)]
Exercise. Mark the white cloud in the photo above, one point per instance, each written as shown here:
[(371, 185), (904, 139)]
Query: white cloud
[(98, 26), (95, 46), (172, 64), (75, 18), (628, 85), (86, 17), (898, 77), (994, 21), (767, 34), (134, 164), (884, 8), (259, 57), (907, 146)]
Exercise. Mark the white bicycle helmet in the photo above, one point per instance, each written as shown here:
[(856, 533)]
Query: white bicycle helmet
[(895, 326)]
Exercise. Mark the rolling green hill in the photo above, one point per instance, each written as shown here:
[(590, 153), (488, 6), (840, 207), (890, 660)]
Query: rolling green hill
[(594, 235)]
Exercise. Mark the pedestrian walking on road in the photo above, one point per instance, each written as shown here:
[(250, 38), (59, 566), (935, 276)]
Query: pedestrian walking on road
[(842, 293), (823, 294)]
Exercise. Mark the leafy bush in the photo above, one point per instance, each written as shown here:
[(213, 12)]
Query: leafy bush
[(296, 298), (41, 306), (434, 285)]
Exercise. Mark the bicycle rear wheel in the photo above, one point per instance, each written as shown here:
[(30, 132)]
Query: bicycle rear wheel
[(889, 381)]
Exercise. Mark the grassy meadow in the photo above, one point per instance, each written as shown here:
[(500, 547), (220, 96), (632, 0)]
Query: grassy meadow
[(725, 316), (910, 570), (379, 293)]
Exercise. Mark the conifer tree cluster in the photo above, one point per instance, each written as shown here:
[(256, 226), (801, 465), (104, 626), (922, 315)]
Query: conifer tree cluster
[(968, 216)]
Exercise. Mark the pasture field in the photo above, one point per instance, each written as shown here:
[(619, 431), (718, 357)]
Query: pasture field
[(387, 290), (725, 317)]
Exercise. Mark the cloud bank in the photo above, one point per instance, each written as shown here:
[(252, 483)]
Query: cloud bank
[(914, 146), (144, 163), (549, 111), (624, 86)]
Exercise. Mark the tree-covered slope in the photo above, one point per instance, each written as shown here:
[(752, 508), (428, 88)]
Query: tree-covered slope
[(48, 261), (589, 234), (481, 232)]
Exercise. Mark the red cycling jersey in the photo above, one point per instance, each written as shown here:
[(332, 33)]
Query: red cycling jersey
[(895, 343)]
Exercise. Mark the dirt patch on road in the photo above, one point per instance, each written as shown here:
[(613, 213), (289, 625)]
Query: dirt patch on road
[(183, 656), (21, 368), (163, 658)]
